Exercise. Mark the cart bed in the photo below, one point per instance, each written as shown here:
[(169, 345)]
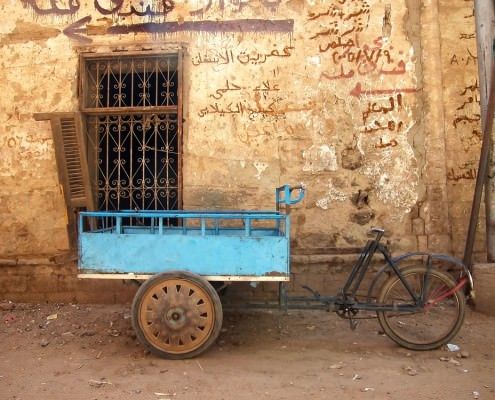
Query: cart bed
[(242, 245)]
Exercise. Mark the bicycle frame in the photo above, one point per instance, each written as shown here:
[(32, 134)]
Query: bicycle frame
[(345, 301)]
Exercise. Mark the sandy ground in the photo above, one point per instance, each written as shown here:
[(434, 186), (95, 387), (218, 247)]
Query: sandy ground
[(90, 352)]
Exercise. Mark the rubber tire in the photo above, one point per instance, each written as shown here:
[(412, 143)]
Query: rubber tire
[(199, 281), (391, 333)]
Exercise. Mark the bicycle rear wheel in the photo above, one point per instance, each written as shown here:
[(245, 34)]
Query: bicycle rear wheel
[(435, 324)]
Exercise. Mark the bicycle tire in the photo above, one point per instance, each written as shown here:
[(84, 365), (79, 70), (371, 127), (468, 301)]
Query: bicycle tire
[(413, 330)]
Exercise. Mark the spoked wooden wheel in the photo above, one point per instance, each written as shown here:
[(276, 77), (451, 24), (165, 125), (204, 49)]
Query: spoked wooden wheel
[(177, 314)]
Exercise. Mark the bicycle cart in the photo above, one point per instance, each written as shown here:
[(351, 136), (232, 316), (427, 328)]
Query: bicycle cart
[(180, 256)]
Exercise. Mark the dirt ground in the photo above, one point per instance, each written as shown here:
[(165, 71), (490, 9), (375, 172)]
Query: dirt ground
[(90, 352)]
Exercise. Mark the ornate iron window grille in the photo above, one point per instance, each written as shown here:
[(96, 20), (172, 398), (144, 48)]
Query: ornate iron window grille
[(133, 126)]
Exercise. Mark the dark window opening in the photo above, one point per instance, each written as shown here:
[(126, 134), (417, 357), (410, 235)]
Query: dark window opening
[(137, 161)]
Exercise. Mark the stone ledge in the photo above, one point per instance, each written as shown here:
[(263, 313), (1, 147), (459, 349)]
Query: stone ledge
[(45, 259)]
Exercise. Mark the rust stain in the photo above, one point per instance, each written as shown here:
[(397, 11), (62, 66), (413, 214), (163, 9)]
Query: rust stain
[(275, 273)]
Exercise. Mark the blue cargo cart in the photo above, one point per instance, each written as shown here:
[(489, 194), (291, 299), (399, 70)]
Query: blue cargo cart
[(176, 312), (418, 298)]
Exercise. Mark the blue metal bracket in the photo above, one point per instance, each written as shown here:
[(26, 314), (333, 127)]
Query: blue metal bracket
[(286, 198)]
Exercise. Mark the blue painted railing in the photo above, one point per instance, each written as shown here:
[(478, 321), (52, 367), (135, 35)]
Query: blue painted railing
[(212, 243)]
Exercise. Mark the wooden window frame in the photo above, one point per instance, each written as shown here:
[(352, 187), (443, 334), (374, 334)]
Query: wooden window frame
[(77, 190)]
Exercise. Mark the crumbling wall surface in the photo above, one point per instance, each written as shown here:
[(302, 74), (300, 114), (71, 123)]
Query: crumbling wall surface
[(33, 78), (462, 117), (349, 97)]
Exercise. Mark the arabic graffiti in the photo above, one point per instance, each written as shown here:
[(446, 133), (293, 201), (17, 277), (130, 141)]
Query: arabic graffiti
[(377, 108), (222, 57), (365, 69), (265, 102), (337, 28), (384, 145), (353, 59), (164, 7), (265, 88), (385, 116), (465, 59), (340, 20), (158, 8), (27, 146), (358, 91), (152, 17), (461, 174), (78, 30), (71, 7), (468, 111), (233, 6), (467, 36), (467, 116)]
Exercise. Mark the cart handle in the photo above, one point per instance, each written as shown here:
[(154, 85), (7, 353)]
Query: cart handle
[(287, 193)]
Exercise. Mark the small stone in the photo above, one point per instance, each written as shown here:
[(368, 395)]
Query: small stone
[(444, 358), (98, 384), (411, 371), (336, 366), (476, 395), (367, 389), (44, 342), (52, 317), (356, 377), (454, 361), (452, 347), (465, 354), (88, 333)]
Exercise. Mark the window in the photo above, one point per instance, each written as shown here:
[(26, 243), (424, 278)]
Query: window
[(123, 150), (132, 109)]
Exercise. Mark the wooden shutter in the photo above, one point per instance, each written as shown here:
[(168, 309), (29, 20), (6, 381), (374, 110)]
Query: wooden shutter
[(70, 151)]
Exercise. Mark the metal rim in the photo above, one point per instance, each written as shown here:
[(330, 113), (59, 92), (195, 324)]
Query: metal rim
[(429, 325), (176, 315)]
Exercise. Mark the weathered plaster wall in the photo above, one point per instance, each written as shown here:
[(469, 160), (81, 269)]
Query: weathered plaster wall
[(360, 100), (461, 115)]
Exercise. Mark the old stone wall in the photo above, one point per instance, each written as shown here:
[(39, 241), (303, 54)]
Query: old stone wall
[(372, 104), (462, 123)]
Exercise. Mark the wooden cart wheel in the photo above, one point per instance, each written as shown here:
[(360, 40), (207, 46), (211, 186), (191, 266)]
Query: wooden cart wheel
[(177, 314)]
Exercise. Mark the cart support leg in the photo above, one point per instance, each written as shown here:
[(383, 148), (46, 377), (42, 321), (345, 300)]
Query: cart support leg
[(282, 297)]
